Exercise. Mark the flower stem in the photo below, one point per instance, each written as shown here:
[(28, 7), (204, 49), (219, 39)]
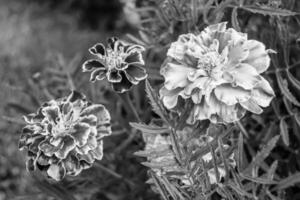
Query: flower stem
[(129, 106)]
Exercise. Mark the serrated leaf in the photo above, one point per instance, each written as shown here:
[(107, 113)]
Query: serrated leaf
[(287, 182), (149, 129), (267, 10), (156, 103), (293, 79), (263, 154), (284, 132), (234, 19), (283, 85)]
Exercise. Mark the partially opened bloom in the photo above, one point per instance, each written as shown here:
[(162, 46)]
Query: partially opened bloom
[(65, 136), (121, 63), (219, 71)]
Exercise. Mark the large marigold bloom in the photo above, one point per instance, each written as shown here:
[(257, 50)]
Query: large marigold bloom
[(219, 70), (121, 63), (65, 136)]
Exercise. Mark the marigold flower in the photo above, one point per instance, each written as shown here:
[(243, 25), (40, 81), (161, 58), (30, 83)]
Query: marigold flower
[(65, 136), (219, 71), (121, 63), (161, 157)]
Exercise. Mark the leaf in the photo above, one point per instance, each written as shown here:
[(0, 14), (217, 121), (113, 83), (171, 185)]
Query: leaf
[(156, 103), (272, 170), (284, 131), (240, 152), (158, 185), (297, 118), (287, 182), (149, 129), (267, 10), (263, 154), (257, 179), (234, 19), (293, 79), (283, 85)]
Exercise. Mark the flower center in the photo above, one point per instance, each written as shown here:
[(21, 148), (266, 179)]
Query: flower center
[(211, 62), (114, 59)]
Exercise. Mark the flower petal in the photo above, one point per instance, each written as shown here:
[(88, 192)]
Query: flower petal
[(175, 75), (122, 86), (57, 172), (245, 76), (169, 97), (72, 165), (135, 58), (258, 56), (263, 93), (80, 133), (98, 74), (112, 41), (98, 152), (114, 76), (231, 95), (90, 65), (135, 74), (68, 145), (98, 49)]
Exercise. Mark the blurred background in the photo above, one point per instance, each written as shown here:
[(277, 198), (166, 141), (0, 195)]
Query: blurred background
[(43, 44)]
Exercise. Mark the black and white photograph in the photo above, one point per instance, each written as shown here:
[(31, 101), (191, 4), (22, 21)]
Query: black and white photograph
[(149, 100)]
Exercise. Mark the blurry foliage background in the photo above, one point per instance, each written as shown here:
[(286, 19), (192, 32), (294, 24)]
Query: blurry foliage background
[(43, 44)]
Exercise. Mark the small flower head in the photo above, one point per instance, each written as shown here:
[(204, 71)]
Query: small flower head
[(121, 63), (65, 136), (219, 71)]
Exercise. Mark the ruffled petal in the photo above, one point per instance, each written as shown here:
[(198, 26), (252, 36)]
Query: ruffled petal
[(231, 95), (169, 97), (135, 58), (90, 65), (114, 76), (263, 93), (57, 172), (135, 74), (98, 74), (98, 49), (72, 165), (258, 56), (122, 86), (245, 76), (176, 75), (80, 133), (68, 145)]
